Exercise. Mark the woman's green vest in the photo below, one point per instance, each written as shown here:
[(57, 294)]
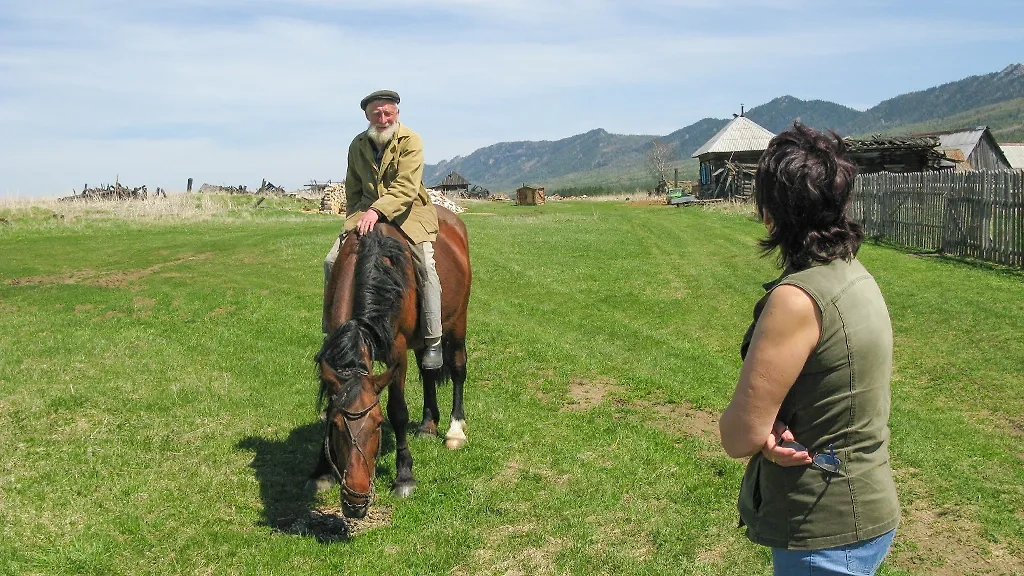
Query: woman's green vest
[(841, 398)]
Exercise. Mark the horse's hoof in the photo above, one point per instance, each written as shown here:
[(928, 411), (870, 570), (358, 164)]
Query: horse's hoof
[(321, 484), (455, 443), (427, 431), (403, 490), (456, 437)]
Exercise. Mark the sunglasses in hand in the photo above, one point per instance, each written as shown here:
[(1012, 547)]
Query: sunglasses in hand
[(825, 461)]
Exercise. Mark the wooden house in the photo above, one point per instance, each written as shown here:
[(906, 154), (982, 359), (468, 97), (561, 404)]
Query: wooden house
[(528, 195), (453, 183), (896, 154), (971, 149), (728, 160)]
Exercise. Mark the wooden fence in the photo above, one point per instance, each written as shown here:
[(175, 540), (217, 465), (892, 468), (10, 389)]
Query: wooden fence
[(978, 214)]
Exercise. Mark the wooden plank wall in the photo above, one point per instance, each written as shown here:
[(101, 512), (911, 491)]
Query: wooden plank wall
[(975, 214)]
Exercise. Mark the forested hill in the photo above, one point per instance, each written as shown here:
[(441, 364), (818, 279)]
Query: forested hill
[(600, 158)]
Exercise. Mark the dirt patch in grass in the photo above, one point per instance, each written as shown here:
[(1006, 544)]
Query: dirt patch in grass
[(141, 302), (330, 525), (77, 277), (502, 553), (946, 543), (588, 393), (1003, 424), (682, 419), (93, 278)]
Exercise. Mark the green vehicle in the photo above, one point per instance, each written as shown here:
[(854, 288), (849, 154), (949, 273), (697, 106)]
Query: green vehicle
[(679, 197)]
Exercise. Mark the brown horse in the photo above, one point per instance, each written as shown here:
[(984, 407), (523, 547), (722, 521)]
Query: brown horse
[(374, 317)]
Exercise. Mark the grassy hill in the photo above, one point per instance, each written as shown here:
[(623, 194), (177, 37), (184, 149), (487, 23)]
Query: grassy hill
[(1005, 119)]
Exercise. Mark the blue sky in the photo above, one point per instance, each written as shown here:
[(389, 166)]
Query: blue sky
[(232, 91)]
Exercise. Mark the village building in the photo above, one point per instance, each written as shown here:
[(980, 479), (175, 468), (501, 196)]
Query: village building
[(1014, 152), (529, 195), (971, 149), (896, 154), (453, 183), (729, 159)]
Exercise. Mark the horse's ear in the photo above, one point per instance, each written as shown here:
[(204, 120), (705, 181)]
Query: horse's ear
[(381, 381)]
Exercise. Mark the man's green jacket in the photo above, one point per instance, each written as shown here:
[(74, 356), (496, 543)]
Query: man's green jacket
[(395, 188)]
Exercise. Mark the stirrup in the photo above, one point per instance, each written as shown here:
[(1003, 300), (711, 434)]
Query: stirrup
[(432, 357)]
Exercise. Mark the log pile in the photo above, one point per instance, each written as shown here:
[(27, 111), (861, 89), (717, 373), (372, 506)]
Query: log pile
[(214, 189), (114, 191), (439, 199), (333, 199)]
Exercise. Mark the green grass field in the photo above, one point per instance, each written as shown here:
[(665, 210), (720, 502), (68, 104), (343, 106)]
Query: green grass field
[(157, 399)]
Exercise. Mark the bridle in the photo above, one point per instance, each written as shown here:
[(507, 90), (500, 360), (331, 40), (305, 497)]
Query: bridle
[(349, 416)]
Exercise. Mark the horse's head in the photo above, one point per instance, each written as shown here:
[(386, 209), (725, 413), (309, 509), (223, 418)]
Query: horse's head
[(354, 417)]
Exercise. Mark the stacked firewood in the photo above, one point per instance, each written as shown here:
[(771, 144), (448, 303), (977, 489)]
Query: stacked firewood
[(439, 199)]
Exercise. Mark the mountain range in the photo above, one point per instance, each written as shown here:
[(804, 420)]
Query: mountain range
[(600, 160)]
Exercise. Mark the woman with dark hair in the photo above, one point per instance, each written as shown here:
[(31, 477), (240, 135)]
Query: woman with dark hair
[(811, 407)]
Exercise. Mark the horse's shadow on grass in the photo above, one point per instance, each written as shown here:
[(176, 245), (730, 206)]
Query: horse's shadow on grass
[(283, 468)]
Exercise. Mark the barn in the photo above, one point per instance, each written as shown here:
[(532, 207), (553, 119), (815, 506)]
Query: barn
[(728, 160), (529, 195), (971, 149)]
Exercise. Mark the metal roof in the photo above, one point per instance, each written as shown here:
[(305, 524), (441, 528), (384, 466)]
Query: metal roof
[(740, 135), (454, 179), (964, 140), (1014, 154)]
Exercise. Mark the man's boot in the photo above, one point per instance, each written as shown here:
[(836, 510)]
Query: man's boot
[(432, 357)]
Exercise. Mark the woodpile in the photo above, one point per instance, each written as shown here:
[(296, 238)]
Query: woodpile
[(214, 189), (332, 200), (266, 189), (114, 191), (439, 199)]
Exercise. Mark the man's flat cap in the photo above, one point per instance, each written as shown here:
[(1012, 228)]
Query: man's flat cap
[(380, 95)]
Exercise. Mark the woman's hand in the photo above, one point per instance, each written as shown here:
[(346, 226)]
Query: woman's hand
[(782, 448)]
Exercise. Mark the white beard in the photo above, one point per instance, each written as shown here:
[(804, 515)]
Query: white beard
[(382, 137)]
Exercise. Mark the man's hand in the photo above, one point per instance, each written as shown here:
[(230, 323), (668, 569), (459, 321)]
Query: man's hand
[(782, 448), (368, 220)]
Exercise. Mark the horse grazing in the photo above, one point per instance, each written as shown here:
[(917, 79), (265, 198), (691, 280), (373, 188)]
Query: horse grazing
[(374, 317)]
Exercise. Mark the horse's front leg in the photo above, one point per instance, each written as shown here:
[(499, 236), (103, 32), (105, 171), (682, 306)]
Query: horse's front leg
[(322, 479), (398, 415)]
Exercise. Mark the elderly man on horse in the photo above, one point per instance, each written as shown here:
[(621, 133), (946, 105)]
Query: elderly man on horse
[(384, 182)]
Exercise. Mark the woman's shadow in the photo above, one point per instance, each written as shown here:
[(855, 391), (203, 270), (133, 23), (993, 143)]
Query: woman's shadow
[(283, 469)]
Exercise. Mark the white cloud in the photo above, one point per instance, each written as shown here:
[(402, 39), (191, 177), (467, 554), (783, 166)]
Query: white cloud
[(239, 89)]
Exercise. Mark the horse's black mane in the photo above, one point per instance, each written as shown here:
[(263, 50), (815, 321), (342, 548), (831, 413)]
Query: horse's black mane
[(379, 286)]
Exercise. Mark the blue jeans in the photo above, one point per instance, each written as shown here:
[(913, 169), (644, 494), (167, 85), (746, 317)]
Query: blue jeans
[(862, 558)]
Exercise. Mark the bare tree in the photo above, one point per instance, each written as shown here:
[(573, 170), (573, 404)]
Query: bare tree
[(657, 159)]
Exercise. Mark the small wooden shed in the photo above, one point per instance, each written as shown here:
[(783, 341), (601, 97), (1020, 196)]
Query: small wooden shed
[(529, 195)]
